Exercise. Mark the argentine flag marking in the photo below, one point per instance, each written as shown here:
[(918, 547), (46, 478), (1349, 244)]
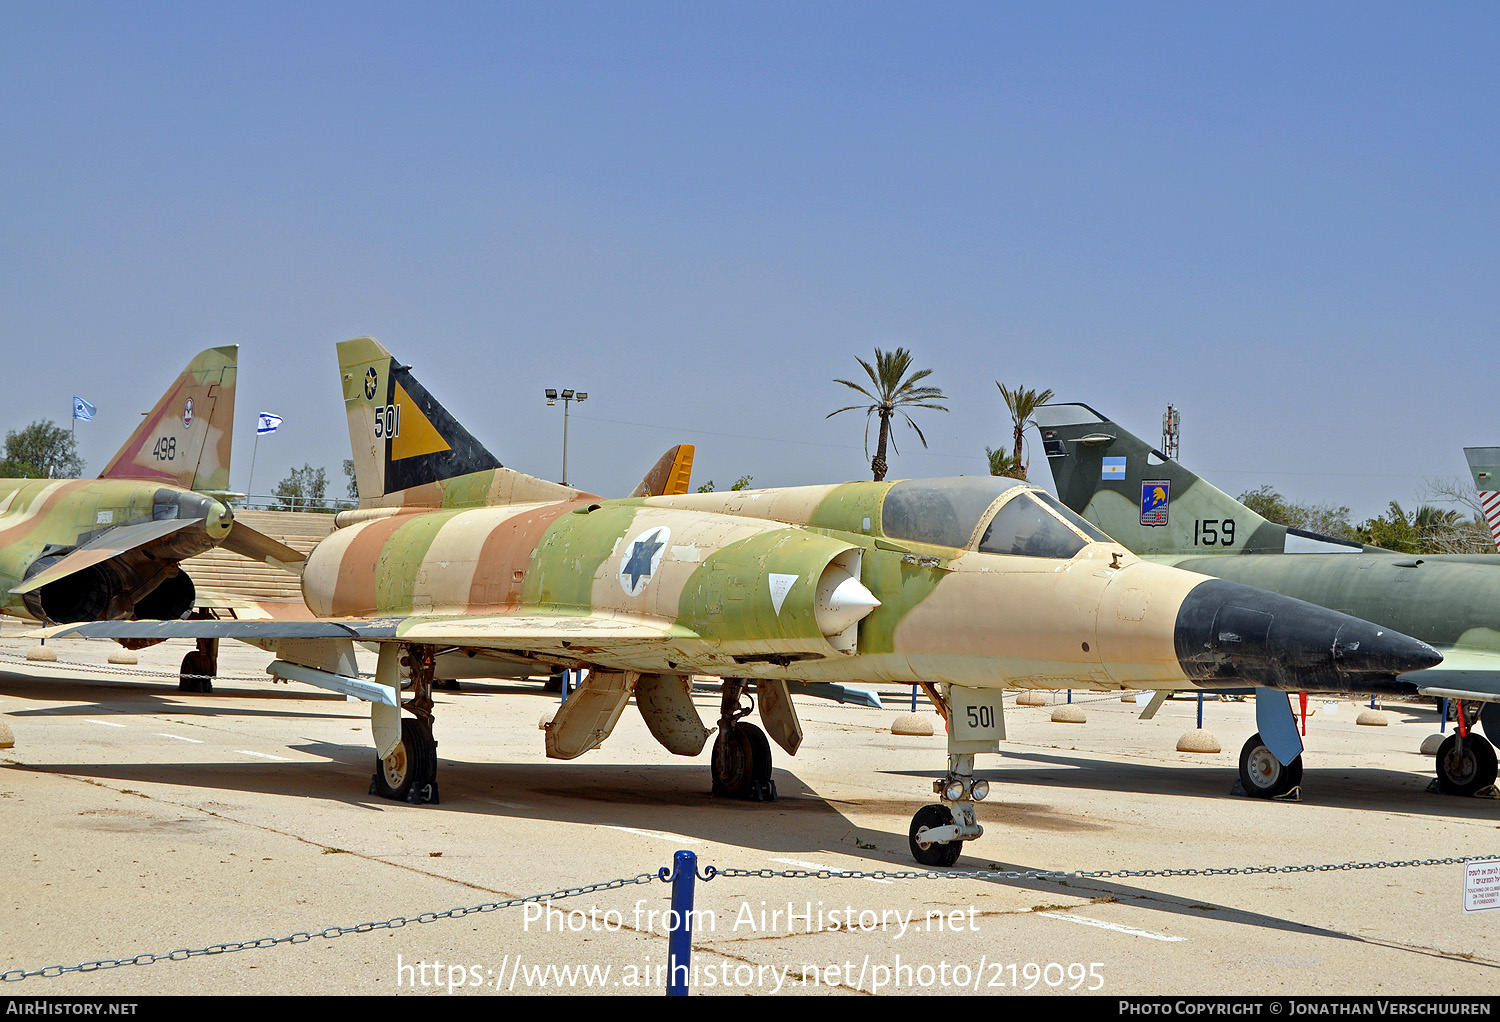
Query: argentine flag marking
[(1114, 468)]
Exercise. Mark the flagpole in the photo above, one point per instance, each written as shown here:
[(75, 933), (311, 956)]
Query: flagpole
[(253, 451)]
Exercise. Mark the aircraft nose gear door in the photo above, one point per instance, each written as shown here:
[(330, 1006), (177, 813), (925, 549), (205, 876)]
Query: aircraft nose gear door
[(976, 723)]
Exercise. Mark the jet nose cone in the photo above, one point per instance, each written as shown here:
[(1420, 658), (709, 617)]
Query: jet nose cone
[(1230, 631)]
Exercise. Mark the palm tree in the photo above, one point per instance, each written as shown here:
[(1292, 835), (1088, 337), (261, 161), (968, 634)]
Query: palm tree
[(1002, 463), (1023, 404), (891, 391)]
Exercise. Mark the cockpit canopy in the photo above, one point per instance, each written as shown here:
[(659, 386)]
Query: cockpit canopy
[(985, 513)]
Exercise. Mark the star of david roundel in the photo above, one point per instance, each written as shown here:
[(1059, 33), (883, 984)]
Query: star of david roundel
[(641, 558)]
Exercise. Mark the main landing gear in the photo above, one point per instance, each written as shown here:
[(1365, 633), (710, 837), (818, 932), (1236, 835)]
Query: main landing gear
[(199, 667), (742, 755), (1465, 764), (1263, 775), (408, 772)]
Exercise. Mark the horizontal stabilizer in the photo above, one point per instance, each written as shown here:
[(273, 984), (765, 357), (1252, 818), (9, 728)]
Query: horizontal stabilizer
[(257, 546), (111, 544)]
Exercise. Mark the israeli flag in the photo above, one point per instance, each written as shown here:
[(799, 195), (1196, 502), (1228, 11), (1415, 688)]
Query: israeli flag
[(82, 409), (1114, 468), (267, 424)]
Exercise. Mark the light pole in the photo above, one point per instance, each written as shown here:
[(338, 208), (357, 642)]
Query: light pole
[(567, 397)]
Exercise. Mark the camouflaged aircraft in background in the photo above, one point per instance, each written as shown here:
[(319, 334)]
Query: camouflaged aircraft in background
[(1162, 511), (109, 548), (964, 586), (1484, 466)]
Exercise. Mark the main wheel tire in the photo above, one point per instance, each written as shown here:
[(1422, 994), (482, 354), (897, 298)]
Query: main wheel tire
[(1262, 774), (197, 672), (411, 765), (940, 853), (1465, 771), (741, 759)]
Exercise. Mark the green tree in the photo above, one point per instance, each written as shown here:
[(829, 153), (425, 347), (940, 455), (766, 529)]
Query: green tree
[(1003, 463), (353, 483), (303, 487), (1394, 530), (742, 483), (46, 448), (1022, 403), (1324, 519), (893, 388)]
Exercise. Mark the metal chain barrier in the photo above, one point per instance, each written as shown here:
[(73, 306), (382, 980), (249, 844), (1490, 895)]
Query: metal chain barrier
[(329, 933), (711, 873)]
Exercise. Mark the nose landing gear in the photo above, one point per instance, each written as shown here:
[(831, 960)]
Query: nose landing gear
[(976, 723)]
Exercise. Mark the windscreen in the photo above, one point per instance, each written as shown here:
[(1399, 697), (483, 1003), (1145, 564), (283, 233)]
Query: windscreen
[(1026, 528)]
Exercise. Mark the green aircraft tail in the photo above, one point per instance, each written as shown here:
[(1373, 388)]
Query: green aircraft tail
[(185, 440), (409, 451), (1149, 502)]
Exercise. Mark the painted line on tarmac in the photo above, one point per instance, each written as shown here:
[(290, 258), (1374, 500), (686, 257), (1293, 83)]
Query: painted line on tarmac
[(505, 805), (264, 755), (662, 835), (195, 741), (106, 723), (1101, 924), (832, 869)]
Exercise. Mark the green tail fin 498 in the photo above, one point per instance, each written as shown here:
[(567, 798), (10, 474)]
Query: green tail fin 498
[(1150, 503), (409, 451)]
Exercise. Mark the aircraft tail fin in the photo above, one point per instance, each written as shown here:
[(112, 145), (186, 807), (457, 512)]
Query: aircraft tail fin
[(1484, 465), (1149, 502), (185, 440), (670, 475), (409, 451)]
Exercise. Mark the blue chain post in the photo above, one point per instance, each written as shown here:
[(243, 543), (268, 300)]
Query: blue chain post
[(680, 941), (1443, 717)]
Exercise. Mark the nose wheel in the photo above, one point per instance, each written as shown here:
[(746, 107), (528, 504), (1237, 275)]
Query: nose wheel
[(924, 849)]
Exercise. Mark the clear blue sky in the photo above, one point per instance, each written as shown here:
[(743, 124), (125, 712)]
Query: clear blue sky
[(1282, 218)]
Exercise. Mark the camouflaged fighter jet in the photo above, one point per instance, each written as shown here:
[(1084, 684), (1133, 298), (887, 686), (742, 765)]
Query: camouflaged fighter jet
[(964, 586), (108, 548), (1164, 512)]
